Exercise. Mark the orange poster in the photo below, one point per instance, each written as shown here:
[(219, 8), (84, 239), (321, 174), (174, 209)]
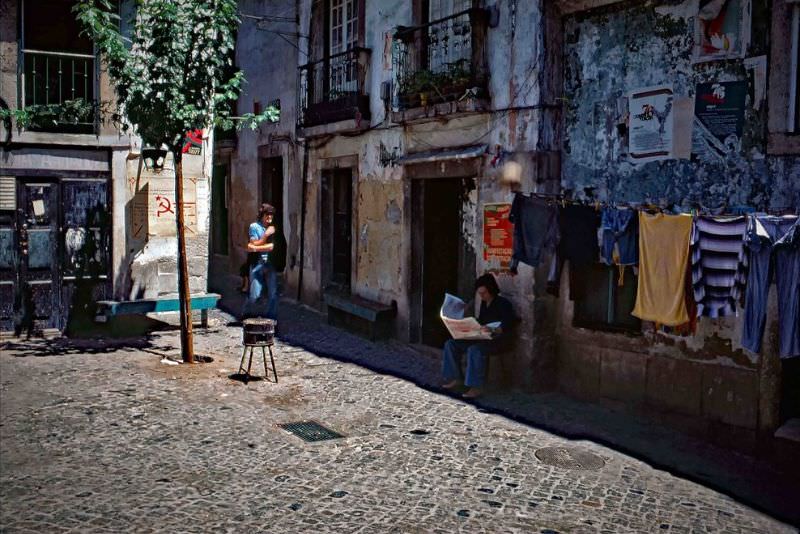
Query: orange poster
[(498, 234)]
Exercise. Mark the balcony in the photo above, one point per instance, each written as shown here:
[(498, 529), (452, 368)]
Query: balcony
[(442, 61), (334, 89), (60, 78)]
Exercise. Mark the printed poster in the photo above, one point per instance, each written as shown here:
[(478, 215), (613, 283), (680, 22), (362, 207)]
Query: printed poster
[(498, 234), (718, 119), (718, 32), (651, 124)]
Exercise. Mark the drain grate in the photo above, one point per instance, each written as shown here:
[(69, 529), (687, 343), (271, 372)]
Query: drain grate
[(569, 458), (310, 431)]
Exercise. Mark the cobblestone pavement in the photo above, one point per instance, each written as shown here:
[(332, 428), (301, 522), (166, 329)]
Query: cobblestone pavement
[(104, 437)]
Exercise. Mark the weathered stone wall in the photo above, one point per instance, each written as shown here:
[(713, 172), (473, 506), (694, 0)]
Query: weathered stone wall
[(707, 381)]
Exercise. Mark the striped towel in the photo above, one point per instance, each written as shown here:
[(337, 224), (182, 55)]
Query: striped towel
[(719, 264)]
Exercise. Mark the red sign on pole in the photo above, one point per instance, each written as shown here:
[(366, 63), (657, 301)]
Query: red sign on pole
[(498, 234)]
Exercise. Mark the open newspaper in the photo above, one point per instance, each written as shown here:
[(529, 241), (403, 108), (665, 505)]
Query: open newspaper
[(452, 314)]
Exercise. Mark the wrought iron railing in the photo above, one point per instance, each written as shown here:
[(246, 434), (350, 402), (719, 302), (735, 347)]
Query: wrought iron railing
[(441, 61), (334, 88), (59, 78)]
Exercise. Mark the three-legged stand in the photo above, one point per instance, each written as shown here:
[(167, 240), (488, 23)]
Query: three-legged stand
[(263, 357)]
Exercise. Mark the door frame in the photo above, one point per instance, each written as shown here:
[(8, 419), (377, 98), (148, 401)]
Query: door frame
[(415, 227), (327, 167), (23, 177)]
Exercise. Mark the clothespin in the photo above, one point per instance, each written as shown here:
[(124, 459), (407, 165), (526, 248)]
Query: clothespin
[(596, 205), (563, 202)]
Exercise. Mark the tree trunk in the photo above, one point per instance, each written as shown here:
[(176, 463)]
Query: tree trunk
[(187, 348)]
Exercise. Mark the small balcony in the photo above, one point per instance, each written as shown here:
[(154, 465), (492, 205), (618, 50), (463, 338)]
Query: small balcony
[(334, 89), (60, 78), (442, 61)]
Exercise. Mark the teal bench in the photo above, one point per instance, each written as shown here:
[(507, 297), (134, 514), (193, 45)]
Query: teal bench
[(111, 308)]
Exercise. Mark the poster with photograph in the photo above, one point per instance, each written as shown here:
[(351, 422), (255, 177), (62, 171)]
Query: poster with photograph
[(718, 33), (651, 124), (718, 119)]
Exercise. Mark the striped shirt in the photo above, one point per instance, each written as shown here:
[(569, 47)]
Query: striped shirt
[(719, 264)]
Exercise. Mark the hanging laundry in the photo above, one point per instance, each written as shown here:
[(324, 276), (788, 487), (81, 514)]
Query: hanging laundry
[(535, 230), (578, 225), (773, 245), (620, 232), (719, 264), (578, 245), (663, 259)]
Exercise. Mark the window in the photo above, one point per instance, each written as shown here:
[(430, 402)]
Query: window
[(344, 25), (58, 61), (601, 303)]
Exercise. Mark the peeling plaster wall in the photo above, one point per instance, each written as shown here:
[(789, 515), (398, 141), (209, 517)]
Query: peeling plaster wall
[(269, 66), (718, 388), (615, 50)]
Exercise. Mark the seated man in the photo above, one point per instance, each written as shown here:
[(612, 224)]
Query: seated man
[(494, 308)]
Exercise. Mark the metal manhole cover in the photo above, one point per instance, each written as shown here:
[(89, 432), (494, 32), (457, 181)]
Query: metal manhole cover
[(569, 458), (310, 431)]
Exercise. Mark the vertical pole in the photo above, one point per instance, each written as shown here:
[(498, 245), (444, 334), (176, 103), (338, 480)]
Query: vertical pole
[(187, 348)]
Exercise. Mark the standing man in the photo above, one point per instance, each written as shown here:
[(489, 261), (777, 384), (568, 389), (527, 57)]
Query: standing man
[(494, 308), (262, 272)]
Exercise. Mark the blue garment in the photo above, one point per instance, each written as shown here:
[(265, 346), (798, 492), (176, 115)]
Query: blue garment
[(256, 232), (621, 228), (535, 230), (263, 275), (476, 352), (774, 253), (500, 310)]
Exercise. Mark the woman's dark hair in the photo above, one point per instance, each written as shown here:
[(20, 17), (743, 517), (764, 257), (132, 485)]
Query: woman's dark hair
[(487, 280), (265, 209)]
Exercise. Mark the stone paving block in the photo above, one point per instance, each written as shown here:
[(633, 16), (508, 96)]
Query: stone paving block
[(674, 385), (730, 395), (579, 371), (623, 375)]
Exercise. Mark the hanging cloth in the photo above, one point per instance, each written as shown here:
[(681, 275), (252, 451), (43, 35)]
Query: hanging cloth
[(719, 264), (773, 245), (663, 261), (535, 230)]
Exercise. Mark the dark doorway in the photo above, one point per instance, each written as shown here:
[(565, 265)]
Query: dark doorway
[(337, 228), (443, 261), (219, 209), (272, 185), (53, 252)]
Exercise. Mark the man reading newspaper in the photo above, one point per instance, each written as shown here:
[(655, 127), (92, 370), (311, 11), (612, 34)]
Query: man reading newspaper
[(476, 340)]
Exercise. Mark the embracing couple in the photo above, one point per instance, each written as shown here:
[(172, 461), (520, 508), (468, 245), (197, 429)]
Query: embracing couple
[(265, 259)]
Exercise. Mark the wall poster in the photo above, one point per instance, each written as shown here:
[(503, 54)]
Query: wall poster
[(650, 129), (720, 29), (498, 234), (718, 119)]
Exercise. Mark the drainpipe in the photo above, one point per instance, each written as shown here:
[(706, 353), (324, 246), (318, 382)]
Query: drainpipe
[(302, 221)]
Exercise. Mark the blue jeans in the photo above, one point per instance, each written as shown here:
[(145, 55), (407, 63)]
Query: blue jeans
[(774, 256), (261, 275), (476, 352)]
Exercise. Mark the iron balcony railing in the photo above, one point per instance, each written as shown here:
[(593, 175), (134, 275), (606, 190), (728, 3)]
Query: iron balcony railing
[(57, 78), (441, 61), (334, 88)]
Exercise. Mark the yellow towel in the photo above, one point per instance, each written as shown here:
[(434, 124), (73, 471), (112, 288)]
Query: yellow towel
[(663, 253)]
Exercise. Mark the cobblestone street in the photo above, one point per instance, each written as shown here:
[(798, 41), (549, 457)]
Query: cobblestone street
[(106, 438)]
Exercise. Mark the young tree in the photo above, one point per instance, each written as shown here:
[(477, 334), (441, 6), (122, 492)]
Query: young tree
[(173, 75)]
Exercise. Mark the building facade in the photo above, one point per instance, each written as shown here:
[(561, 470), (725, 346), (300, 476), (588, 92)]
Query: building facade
[(408, 114), (83, 216)]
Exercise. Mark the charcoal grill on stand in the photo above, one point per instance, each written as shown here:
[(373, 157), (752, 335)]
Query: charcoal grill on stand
[(258, 333)]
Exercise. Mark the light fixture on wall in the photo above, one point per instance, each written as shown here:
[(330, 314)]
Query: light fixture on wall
[(154, 158)]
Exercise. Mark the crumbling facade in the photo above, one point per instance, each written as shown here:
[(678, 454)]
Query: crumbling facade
[(406, 116), (83, 216)]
